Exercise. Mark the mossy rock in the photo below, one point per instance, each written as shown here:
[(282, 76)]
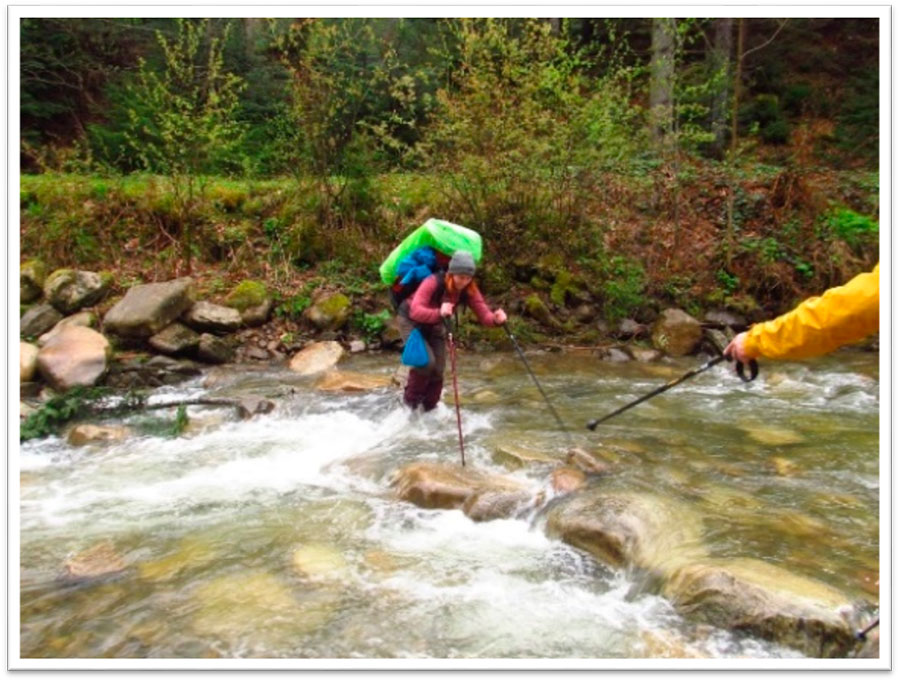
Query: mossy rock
[(536, 309), (329, 313), (32, 275), (247, 294)]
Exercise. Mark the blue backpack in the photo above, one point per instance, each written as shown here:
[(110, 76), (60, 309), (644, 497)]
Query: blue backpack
[(412, 271)]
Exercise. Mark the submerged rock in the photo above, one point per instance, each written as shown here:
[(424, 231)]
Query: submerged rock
[(626, 529), (257, 609), (320, 562), (251, 406), (316, 358), (772, 435), (191, 553), (567, 480), (86, 433), (514, 456), (440, 485), (100, 560), (586, 461), (351, 381), (489, 504), (752, 596)]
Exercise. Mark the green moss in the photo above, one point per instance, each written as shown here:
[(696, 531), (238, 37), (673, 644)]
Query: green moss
[(247, 294), (565, 285), (334, 305), (539, 284), (107, 278), (36, 269)]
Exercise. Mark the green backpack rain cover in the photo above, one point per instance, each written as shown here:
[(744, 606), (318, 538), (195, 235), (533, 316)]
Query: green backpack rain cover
[(439, 234)]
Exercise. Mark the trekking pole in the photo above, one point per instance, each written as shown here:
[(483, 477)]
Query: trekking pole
[(536, 382), (462, 451), (861, 635), (754, 370)]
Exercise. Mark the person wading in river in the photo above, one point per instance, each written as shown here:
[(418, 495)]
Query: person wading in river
[(435, 299), (844, 314)]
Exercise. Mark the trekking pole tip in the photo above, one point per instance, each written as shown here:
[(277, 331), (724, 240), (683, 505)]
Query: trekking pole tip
[(592, 425)]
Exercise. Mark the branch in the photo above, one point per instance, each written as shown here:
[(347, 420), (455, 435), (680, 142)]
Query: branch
[(759, 47)]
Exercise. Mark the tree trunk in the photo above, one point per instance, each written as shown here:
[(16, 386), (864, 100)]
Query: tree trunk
[(662, 81), (732, 154), (720, 67)]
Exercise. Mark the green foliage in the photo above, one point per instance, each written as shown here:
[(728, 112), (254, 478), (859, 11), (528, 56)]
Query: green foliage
[(728, 282), (849, 226), (59, 410), (370, 325), (520, 131), (180, 422), (182, 117), (623, 287), (294, 306)]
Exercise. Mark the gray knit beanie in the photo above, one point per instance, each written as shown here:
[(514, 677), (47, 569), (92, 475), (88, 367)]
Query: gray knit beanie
[(462, 262)]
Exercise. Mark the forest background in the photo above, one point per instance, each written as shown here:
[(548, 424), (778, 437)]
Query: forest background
[(614, 167)]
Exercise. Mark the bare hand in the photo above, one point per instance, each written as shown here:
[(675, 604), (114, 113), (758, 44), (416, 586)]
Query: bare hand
[(735, 349), (499, 316), (446, 309)]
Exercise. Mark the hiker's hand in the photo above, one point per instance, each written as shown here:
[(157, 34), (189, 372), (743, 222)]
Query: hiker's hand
[(446, 309), (735, 349), (499, 317)]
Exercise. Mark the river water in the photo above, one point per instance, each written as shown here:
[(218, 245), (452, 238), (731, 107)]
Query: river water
[(212, 525)]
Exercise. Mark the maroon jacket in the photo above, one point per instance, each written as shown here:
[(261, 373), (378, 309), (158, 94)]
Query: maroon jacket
[(422, 308)]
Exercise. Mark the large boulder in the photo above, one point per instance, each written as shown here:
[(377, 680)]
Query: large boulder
[(752, 596), (175, 339), (83, 318), (205, 316), (76, 356), (330, 312), (351, 381), (70, 290), (441, 485), (316, 358), (32, 276), (676, 333), (629, 529), (28, 354), (146, 309), (39, 320)]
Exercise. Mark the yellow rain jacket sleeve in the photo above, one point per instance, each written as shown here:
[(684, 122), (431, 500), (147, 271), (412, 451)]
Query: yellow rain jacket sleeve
[(818, 325)]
